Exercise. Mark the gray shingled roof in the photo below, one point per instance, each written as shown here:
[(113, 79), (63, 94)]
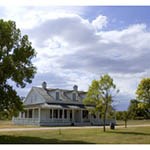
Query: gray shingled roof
[(46, 94)]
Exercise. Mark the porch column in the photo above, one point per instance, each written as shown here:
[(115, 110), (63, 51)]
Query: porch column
[(62, 114), (72, 115), (23, 114), (39, 114), (81, 115), (52, 113), (68, 114), (97, 116), (27, 113), (58, 114), (33, 113), (90, 116), (19, 114)]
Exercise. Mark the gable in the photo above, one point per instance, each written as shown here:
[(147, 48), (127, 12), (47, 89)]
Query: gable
[(33, 98)]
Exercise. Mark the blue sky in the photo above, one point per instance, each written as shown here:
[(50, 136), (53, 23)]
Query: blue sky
[(75, 45), (120, 16)]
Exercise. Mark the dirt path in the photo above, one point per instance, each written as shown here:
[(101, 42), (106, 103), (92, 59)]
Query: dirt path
[(56, 128)]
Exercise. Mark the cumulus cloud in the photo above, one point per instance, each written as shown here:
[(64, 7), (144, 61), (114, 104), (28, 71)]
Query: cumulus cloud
[(71, 28), (82, 54), (119, 54), (99, 22)]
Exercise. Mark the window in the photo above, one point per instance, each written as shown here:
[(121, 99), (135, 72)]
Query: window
[(25, 113), (22, 114), (57, 95), (74, 96), (85, 114), (94, 116), (30, 113), (65, 113), (70, 114), (55, 113), (50, 115), (60, 113)]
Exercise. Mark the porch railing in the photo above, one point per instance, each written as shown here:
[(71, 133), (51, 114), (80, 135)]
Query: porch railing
[(26, 121), (60, 121)]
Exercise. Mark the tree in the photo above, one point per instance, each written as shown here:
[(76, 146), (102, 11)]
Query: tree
[(143, 94), (126, 117), (100, 94), (123, 115), (16, 54), (135, 111)]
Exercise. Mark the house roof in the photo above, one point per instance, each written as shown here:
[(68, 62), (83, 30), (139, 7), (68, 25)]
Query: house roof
[(62, 106), (49, 95)]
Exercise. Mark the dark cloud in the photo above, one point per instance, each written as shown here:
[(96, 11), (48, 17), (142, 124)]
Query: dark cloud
[(96, 63)]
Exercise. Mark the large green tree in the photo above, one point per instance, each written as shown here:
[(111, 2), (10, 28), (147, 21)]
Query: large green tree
[(135, 111), (143, 94), (16, 54), (100, 94)]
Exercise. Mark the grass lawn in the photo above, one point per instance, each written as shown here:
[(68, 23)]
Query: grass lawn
[(133, 122), (137, 135), (9, 124)]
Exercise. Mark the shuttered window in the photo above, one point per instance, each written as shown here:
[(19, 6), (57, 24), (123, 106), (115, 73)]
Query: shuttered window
[(57, 95)]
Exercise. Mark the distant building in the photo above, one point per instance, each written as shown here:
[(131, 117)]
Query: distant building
[(56, 107)]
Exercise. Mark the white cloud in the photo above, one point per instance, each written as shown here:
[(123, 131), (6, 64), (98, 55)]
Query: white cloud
[(31, 16), (100, 22), (55, 43), (135, 38)]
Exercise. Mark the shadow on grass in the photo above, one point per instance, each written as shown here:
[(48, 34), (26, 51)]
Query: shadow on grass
[(7, 139), (130, 133)]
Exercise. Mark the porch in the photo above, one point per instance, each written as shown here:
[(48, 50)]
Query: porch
[(54, 117)]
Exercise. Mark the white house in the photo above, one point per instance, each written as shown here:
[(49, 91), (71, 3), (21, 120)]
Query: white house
[(56, 107)]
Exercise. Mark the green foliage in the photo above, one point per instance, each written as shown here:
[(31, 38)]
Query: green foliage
[(10, 102), (16, 53), (143, 94), (123, 115), (143, 91), (100, 94), (136, 110)]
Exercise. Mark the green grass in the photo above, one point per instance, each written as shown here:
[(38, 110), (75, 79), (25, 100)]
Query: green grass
[(9, 124), (134, 135), (134, 122)]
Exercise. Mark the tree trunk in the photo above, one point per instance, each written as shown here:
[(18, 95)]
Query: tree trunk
[(104, 126), (125, 123)]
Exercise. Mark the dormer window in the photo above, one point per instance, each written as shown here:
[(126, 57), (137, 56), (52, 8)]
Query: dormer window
[(74, 97), (57, 95)]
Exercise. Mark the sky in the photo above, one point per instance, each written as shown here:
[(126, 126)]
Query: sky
[(77, 44)]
